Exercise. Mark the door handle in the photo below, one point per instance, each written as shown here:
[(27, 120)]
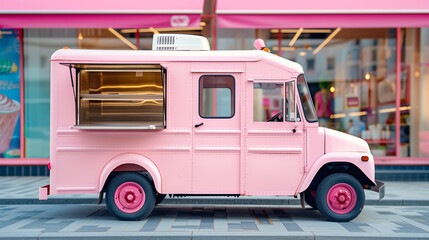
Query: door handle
[(294, 130), (199, 125)]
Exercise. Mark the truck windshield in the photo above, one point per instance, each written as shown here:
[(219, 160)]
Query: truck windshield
[(307, 103)]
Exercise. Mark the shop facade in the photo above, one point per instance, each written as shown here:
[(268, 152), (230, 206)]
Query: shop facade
[(367, 65)]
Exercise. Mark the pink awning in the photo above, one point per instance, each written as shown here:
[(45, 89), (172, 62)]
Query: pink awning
[(322, 14), (100, 14)]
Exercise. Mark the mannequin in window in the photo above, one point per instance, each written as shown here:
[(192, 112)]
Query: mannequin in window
[(323, 102)]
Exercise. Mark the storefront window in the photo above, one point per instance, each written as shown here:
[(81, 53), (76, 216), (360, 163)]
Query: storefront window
[(39, 45), (414, 113), (351, 78)]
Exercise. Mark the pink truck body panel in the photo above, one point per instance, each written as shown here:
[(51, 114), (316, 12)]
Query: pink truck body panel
[(223, 156)]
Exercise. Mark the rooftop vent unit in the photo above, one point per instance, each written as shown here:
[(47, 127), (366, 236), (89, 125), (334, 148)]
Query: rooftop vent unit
[(179, 42)]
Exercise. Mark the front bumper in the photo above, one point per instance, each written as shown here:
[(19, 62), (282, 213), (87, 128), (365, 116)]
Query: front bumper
[(379, 187)]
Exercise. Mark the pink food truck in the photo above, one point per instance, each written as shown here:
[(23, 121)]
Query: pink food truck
[(183, 120)]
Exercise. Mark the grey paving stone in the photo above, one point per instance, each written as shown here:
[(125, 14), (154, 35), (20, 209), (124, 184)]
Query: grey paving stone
[(405, 227), (242, 226), (20, 236), (386, 212), (115, 236), (354, 227), (207, 223), (93, 228), (151, 224), (47, 227), (287, 221), (261, 216)]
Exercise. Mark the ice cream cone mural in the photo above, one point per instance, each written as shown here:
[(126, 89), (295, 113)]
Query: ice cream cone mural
[(9, 111), (10, 131), (7, 66)]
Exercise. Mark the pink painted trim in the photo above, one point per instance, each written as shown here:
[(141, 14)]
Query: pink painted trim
[(82, 6), (95, 20), (315, 6), (252, 21), (341, 198), (22, 95), (23, 161), (129, 197), (398, 93)]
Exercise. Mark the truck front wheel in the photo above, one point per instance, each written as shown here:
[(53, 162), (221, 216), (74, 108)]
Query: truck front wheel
[(340, 197), (130, 196)]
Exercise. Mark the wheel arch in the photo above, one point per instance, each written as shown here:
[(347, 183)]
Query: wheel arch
[(332, 163), (128, 162)]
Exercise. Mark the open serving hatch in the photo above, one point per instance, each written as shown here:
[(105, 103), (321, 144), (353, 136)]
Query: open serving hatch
[(118, 96)]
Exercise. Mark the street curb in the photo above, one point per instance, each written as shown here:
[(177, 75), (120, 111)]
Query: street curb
[(214, 201), (206, 235)]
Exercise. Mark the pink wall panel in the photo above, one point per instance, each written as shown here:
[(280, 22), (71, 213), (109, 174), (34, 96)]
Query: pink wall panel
[(100, 6), (312, 5)]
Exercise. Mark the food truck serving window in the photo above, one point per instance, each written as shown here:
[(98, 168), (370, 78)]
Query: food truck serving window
[(120, 96)]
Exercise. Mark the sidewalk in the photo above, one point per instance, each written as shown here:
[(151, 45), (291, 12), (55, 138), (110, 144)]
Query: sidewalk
[(25, 190)]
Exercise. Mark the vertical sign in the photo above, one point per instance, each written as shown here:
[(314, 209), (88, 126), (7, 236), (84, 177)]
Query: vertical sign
[(9, 93)]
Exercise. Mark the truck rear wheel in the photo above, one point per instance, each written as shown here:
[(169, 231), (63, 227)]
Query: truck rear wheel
[(130, 196), (340, 197)]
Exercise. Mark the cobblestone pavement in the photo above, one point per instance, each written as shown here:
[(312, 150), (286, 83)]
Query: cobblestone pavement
[(203, 221)]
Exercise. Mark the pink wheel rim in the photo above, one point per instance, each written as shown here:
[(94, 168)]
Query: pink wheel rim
[(129, 197), (341, 198)]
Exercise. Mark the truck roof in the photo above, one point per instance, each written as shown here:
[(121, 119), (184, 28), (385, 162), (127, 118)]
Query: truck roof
[(149, 56)]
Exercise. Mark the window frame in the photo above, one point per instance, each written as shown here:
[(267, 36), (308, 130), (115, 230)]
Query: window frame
[(294, 88), (232, 94), (119, 126)]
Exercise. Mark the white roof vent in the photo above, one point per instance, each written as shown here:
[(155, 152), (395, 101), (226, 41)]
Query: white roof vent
[(179, 42)]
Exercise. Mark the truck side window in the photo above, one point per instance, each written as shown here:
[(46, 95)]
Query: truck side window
[(268, 102), (217, 94)]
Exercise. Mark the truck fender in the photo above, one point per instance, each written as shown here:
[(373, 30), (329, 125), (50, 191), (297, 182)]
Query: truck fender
[(348, 157), (131, 158)]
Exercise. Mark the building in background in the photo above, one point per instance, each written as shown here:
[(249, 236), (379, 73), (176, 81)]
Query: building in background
[(367, 63)]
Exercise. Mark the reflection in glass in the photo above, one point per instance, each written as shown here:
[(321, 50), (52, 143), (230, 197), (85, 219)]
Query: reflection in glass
[(307, 103), (268, 102), (290, 102), (217, 96)]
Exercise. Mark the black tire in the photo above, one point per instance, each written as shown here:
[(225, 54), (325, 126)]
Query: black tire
[(159, 198), (310, 198), (340, 214), (135, 179)]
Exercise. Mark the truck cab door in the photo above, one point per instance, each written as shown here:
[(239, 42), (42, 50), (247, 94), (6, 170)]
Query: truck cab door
[(274, 138)]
